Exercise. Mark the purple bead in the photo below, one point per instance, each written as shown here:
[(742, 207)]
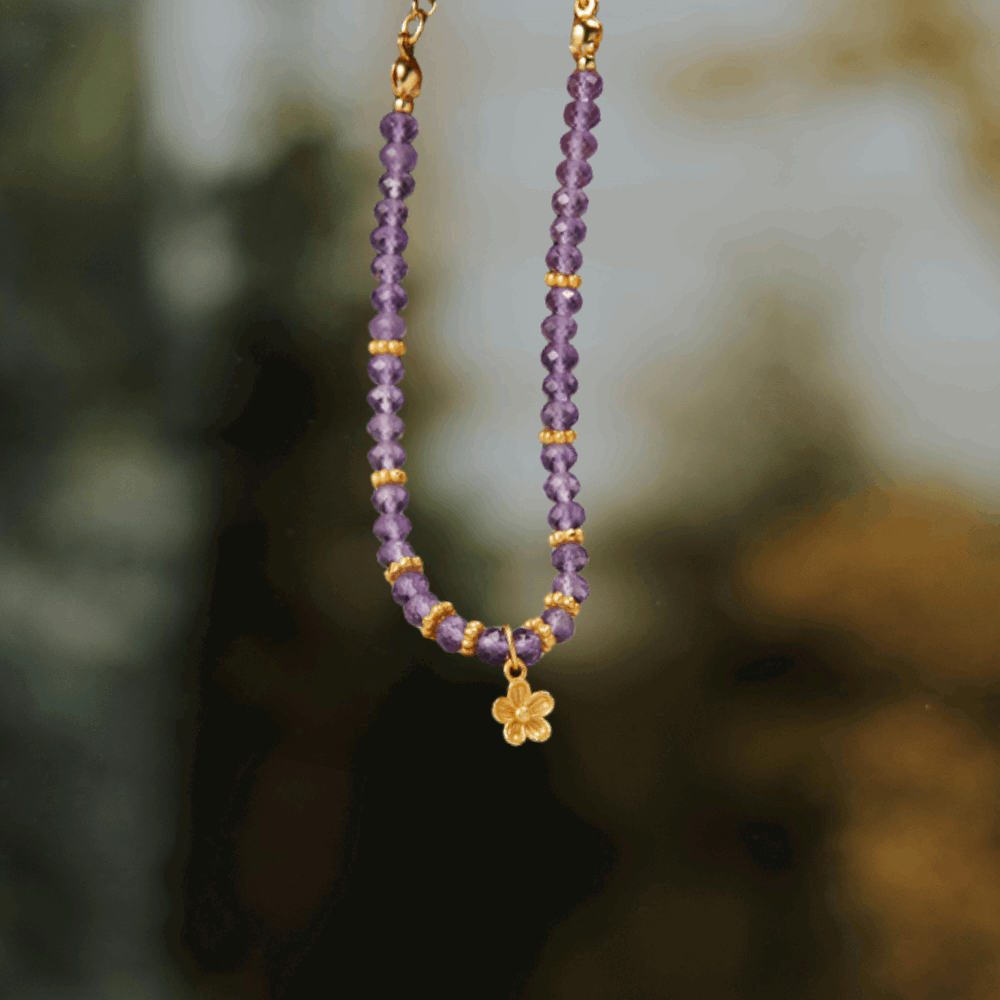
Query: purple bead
[(492, 647), (570, 201), (387, 326), (450, 633), (390, 298), (398, 157), (385, 398), (569, 558), (388, 455), (398, 126), (578, 145), (571, 585), (559, 328), (574, 173), (389, 239), (562, 301), (559, 416), (562, 486), (385, 369), (391, 498), (408, 585), (396, 185), (561, 623), (566, 515), (564, 258), (385, 427), (392, 527), (391, 212), (394, 551), (527, 645), (555, 457), (560, 357), (568, 229), (560, 386), (581, 114), (418, 608), (585, 85), (389, 267)]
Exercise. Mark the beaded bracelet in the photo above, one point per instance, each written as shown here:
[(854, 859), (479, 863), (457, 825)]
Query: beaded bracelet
[(522, 712)]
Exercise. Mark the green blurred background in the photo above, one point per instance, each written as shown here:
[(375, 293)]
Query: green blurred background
[(229, 769)]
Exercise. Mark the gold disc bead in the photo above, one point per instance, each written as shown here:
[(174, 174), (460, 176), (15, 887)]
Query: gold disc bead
[(549, 436), (394, 347), (574, 535), (471, 638), (541, 628), (411, 564), (434, 617), (384, 476), (564, 601), (556, 279)]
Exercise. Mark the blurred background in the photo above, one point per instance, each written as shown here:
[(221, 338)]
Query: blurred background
[(229, 770)]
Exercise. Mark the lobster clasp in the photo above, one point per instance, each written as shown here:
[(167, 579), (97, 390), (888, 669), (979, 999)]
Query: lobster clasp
[(586, 36), (406, 75)]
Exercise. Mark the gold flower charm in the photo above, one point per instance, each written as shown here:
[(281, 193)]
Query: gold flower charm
[(522, 714)]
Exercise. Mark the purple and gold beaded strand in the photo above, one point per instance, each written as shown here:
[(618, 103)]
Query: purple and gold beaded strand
[(522, 712)]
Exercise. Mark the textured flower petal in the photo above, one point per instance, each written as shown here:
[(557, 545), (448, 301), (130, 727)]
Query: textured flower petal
[(538, 730), (541, 703), (514, 733), (519, 692), (503, 710)]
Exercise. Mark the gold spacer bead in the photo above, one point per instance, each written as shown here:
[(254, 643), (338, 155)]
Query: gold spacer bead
[(471, 638), (395, 347), (549, 436), (404, 105), (542, 629), (574, 535), (384, 476), (564, 601), (556, 279), (410, 564), (434, 617)]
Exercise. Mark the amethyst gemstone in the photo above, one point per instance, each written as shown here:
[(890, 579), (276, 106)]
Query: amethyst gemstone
[(385, 427), (565, 515), (574, 173), (408, 586), (568, 229), (392, 527), (418, 608), (389, 267), (562, 301), (560, 357), (555, 457), (391, 212), (398, 157), (564, 258), (569, 558), (450, 633), (569, 201), (388, 455), (390, 298), (396, 185), (572, 585), (385, 398), (397, 126), (585, 85), (391, 499), (527, 645), (560, 386), (559, 416), (562, 487), (492, 647), (581, 114), (559, 328), (578, 145), (387, 326), (561, 623), (385, 369), (389, 239), (394, 551)]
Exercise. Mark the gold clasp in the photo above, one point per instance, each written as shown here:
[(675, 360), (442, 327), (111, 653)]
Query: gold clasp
[(586, 36), (406, 75)]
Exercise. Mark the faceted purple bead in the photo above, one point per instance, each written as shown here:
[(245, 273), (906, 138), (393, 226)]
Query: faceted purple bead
[(391, 212), (398, 126), (581, 114), (574, 173), (385, 369), (389, 267), (385, 427), (418, 608), (578, 145), (389, 239), (560, 357), (394, 551), (387, 455), (396, 185), (568, 229), (387, 326), (386, 398), (527, 645), (564, 258), (569, 558), (570, 201), (391, 498), (398, 157), (559, 328), (565, 515), (560, 386), (408, 585), (562, 486), (450, 633), (492, 647), (559, 416), (561, 623), (555, 457), (390, 298), (562, 301), (392, 527), (572, 585), (585, 85)]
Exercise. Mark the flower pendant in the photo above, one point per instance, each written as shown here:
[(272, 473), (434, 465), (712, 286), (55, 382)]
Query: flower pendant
[(522, 714)]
